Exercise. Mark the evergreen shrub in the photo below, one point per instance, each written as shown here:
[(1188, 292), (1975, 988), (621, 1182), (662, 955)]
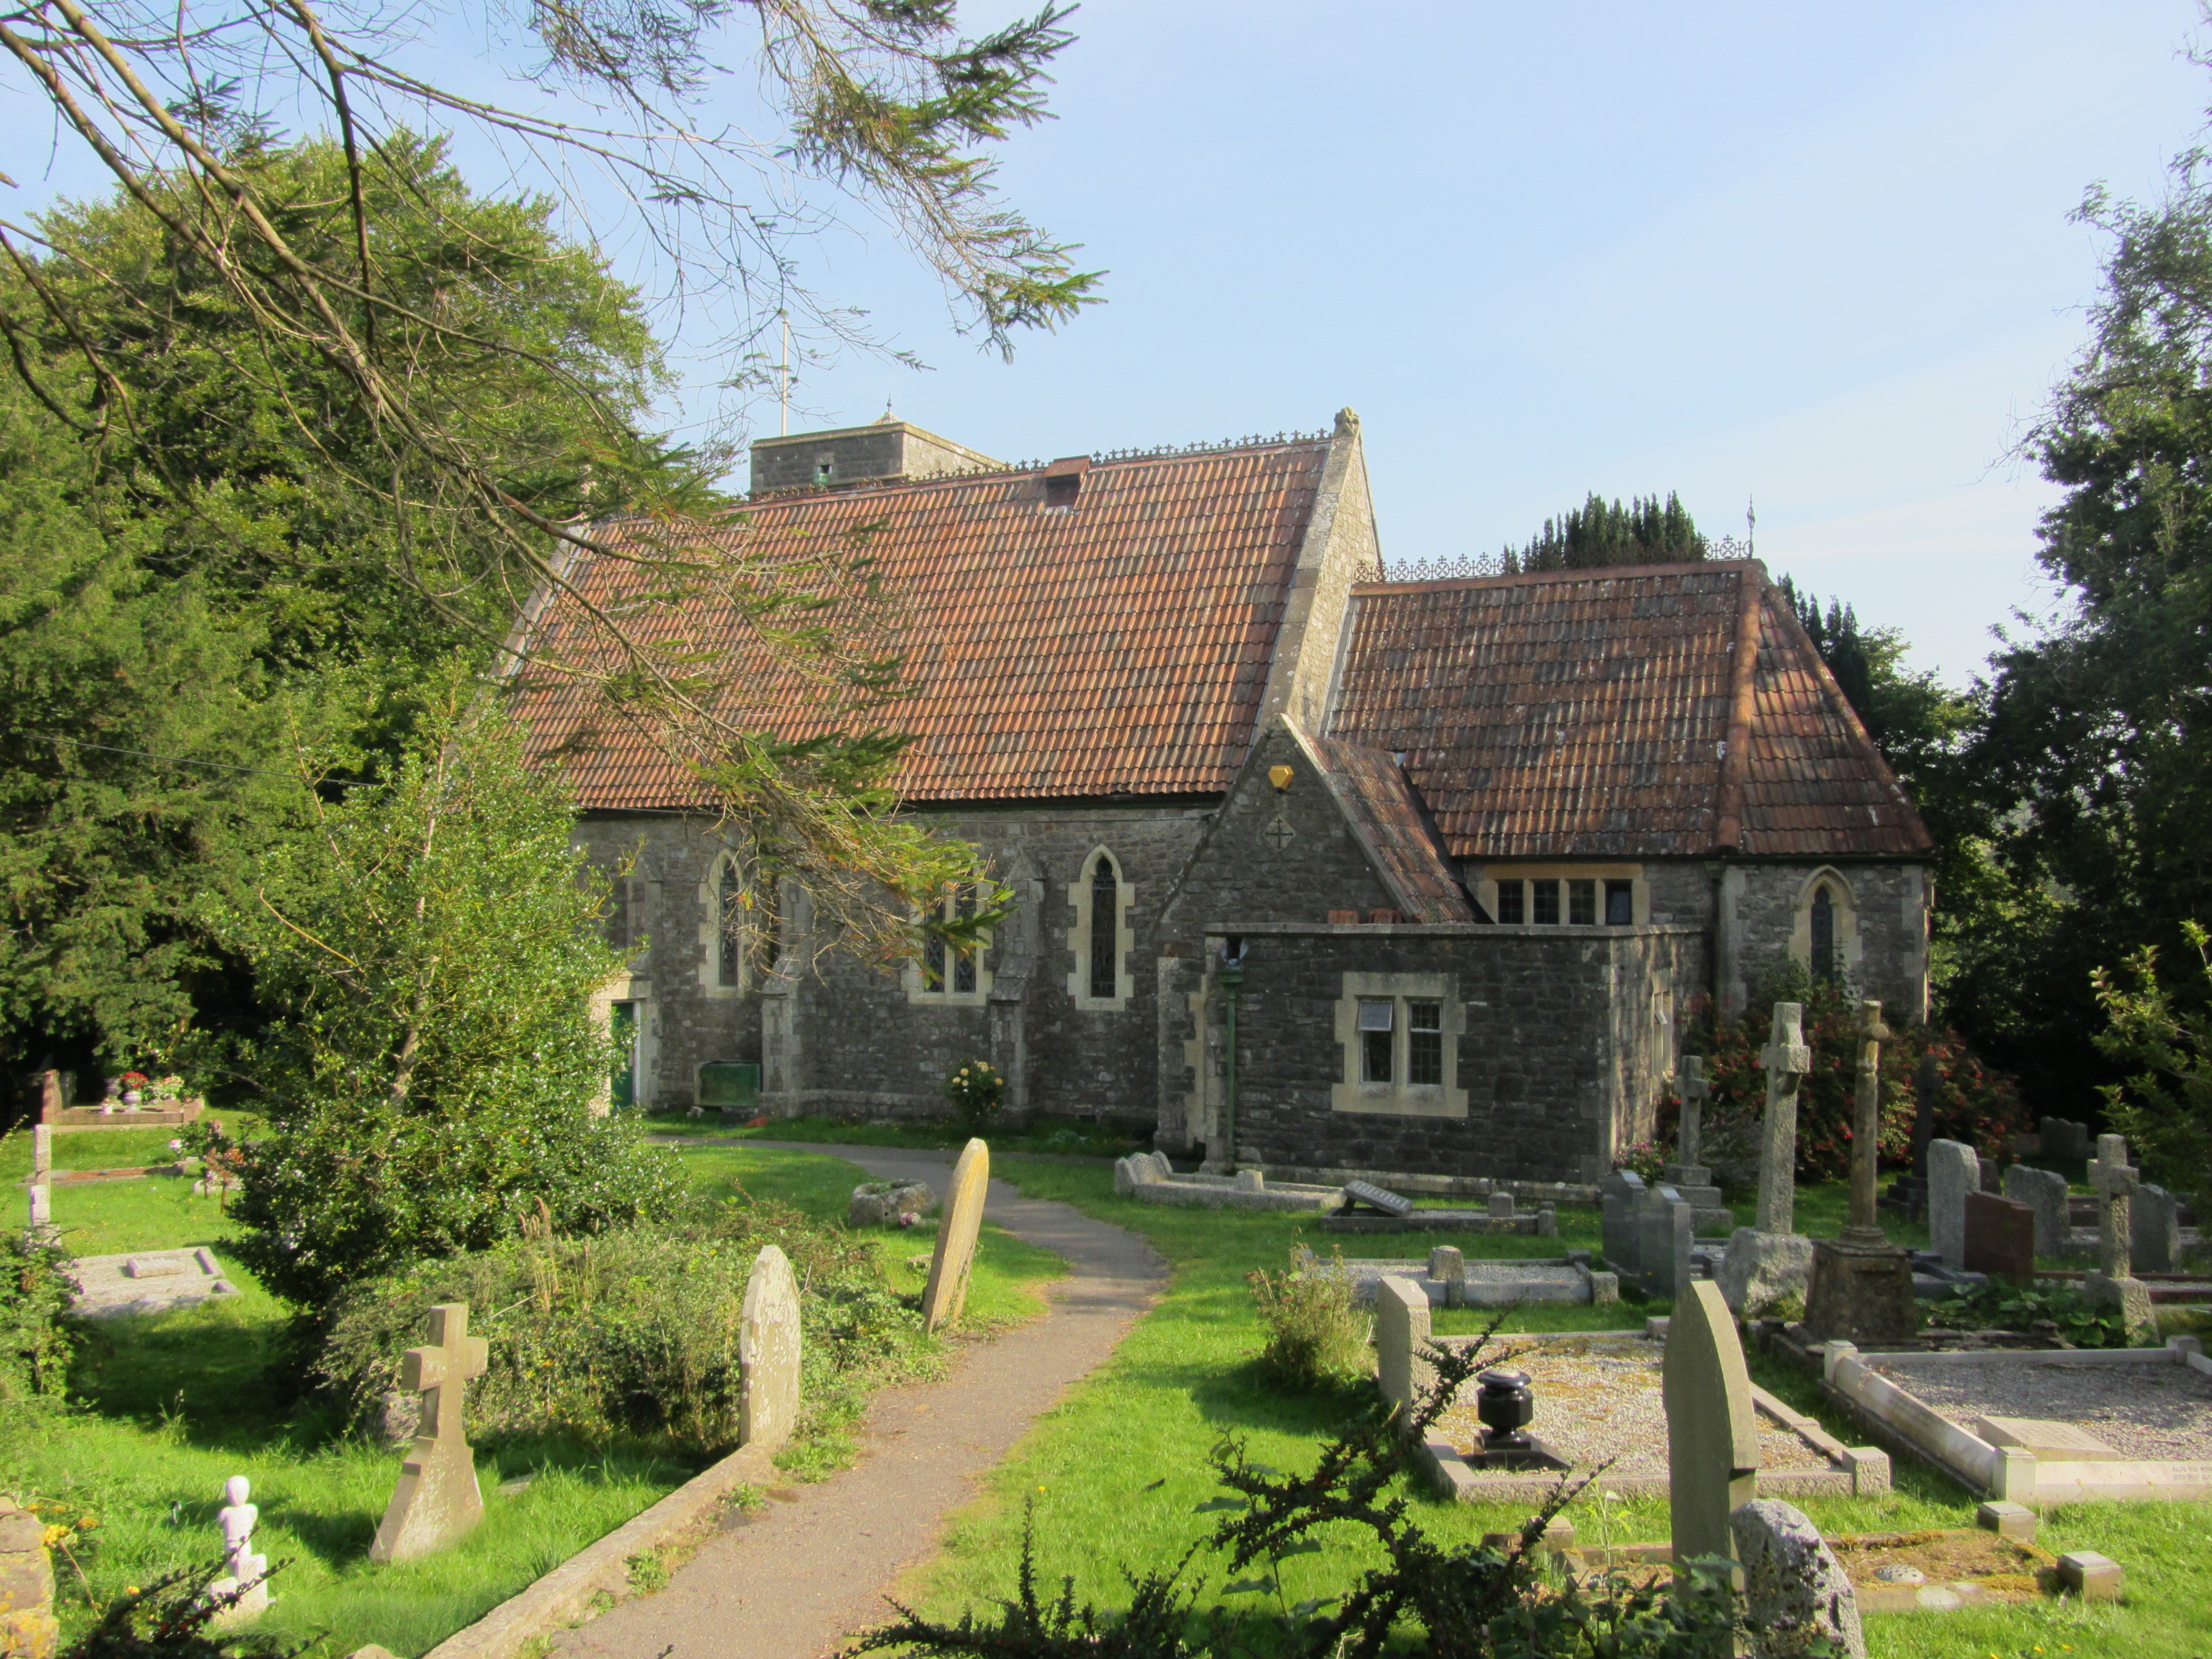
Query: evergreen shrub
[(631, 1332)]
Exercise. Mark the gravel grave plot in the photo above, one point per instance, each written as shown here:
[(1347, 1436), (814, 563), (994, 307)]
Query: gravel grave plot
[(1599, 1398), (2146, 1412)]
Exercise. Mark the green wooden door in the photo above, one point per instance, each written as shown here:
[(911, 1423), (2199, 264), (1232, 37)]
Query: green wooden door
[(624, 1024)]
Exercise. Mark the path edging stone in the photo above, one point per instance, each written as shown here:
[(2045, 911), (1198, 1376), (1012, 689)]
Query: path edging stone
[(564, 1596)]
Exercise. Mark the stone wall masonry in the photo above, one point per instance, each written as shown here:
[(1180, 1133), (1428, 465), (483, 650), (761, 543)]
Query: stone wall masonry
[(1889, 903), (856, 1043), (1541, 1057)]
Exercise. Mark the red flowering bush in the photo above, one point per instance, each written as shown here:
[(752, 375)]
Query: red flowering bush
[(1971, 1103)]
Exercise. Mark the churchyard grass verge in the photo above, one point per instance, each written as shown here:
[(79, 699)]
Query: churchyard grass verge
[(1073, 1137), (1116, 1472), (169, 1406)]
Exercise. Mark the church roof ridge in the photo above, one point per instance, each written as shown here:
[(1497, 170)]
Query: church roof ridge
[(1254, 442)]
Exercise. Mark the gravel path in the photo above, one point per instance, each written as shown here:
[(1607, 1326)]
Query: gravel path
[(794, 1578), (1599, 1399), (2146, 1411)]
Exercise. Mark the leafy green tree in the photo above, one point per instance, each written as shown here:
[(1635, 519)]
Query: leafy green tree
[(2095, 751), (435, 1076), (2163, 1042), (1600, 532)]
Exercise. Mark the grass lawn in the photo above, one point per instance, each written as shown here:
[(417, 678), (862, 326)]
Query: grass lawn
[(1116, 1470), (168, 1407), (1080, 1137)]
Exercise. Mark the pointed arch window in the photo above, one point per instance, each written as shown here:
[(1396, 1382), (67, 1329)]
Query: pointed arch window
[(730, 939), (948, 970), (1823, 934), (1105, 913)]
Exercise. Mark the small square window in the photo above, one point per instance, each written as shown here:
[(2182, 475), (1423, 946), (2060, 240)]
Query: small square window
[(1512, 903), (1424, 1042), (1376, 1024), (1582, 903), (1546, 909), (1621, 904)]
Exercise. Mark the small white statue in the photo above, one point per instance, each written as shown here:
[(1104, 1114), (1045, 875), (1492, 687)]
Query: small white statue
[(248, 1571)]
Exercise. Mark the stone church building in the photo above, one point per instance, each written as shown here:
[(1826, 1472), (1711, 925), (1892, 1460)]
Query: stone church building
[(1455, 857)]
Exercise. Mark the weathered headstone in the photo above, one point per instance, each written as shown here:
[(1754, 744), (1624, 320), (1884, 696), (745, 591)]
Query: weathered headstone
[(1664, 1233), (1795, 1592), (2044, 1192), (41, 1205), (54, 1092), (2155, 1230), (437, 1499), (887, 1203), (1501, 1206), (2064, 1140), (1861, 1289), (1251, 1180), (2115, 1284), (1761, 1269), (245, 1573), (29, 1629), (1402, 1368), (1712, 1440), (1786, 1060), (769, 1351), (1448, 1266), (1689, 1142), (1954, 1170), (1376, 1198), (1618, 1197), (2000, 1239), (42, 1151), (962, 1219)]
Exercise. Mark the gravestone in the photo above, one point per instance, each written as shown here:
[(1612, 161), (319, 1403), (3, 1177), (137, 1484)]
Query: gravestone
[(1689, 1178), (2155, 1230), (2000, 1239), (1712, 1440), (1664, 1233), (1251, 1180), (1795, 1592), (437, 1499), (1786, 1060), (2114, 1285), (1618, 1197), (29, 1629), (1403, 1370), (1448, 1266), (1501, 1206), (2063, 1141), (1954, 1169), (56, 1090), (769, 1351), (42, 1151), (1862, 1284), (1770, 1261), (2044, 1192), (245, 1573), (41, 1206), (887, 1203), (946, 1293), (1376, 1198)]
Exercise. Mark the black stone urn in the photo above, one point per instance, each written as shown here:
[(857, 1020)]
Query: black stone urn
[(1506, 1408)]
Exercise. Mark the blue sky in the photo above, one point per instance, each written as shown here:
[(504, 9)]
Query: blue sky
[(1818, 256)]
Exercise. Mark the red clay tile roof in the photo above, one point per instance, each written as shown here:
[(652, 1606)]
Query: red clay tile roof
[(1384, 812), (1587, 713), (1119, 647)]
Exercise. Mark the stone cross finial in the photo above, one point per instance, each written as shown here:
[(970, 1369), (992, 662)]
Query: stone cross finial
[(1690, 1084), (1864, 1226), (2114, 1183), (1787, 1059), (437, 1499)]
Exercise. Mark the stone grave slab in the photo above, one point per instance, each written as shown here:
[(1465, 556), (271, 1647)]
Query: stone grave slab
[(1151, 1179), (946, 1293), (2151, 1406), (769, 1351), (146, 1282), (1599, 1395), (2051, 1442), (1377, 1198), (1484, 1283)]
